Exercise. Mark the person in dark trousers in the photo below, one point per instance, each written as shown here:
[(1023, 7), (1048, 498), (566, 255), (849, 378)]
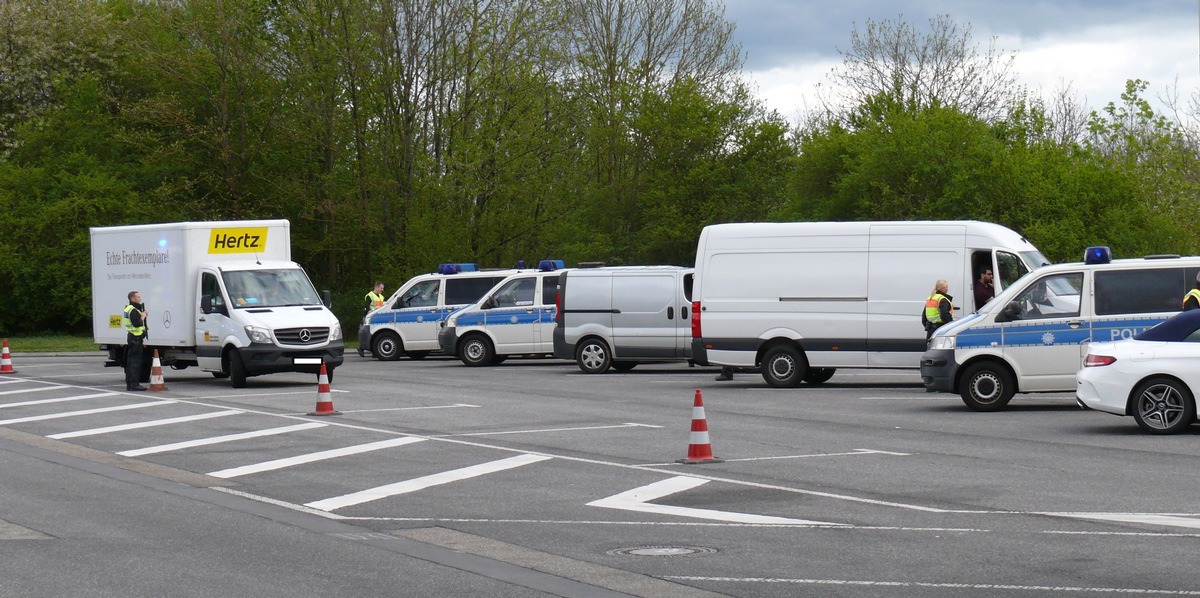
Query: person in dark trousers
[(939, 309), (984, 289), (726, 374), (374, 299), (134, 319), (1192, 299)]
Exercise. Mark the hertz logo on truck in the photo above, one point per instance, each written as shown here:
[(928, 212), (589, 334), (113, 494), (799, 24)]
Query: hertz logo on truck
[(238, 240)]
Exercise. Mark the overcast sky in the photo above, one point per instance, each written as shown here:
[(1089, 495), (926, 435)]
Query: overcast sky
[(1092, 45)]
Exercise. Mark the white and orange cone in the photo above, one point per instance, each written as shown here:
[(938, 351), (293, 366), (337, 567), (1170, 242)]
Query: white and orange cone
[(324, 402), (6, 361), (156, 378), (699, 447)]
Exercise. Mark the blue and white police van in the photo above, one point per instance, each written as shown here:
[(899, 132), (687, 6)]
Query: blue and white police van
[(516, 317), (409, 320), (1033, 337)]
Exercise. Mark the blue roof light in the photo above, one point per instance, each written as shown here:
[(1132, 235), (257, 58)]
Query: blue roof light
[(1097, 255), (456, 268), (551, 265)]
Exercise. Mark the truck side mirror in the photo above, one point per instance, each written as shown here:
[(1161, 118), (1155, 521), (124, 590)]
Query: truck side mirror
[(327, 299), (206, 304), (489, 303), (1009, 312)]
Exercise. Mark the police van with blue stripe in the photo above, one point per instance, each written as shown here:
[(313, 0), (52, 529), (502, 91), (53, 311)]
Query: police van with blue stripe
[(409, 320), (516, 317), (1033, 337)]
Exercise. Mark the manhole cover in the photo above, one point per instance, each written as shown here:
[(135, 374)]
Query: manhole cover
[(663, 551)]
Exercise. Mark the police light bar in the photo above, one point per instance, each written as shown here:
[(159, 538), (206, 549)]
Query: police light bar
[(456, 268), (551, 265), (1097, 255)]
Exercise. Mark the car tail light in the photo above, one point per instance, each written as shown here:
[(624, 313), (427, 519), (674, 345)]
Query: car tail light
[(1093, 361), (696, 319), (558, 312)]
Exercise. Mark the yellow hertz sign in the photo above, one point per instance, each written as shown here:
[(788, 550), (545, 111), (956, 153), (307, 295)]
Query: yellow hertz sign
[(238, 240)]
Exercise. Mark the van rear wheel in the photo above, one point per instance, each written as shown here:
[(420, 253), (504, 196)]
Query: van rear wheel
[(987, 386), (593, 356), (784, 366)]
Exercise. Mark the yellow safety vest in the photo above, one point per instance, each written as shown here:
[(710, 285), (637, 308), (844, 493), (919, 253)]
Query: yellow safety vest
[(1192, 293), (129, 327), (932, 313), (375, 299)]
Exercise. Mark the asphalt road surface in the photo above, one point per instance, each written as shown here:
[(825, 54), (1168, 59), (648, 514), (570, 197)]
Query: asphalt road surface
[(531, 478)]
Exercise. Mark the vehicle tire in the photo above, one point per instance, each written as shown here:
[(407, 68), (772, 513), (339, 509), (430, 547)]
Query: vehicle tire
[(417, 355), (498, 359), (987, 386), (624, 366), (476, 350), (593, 356), (220, 375), (818, 375), (386, 346), (784, 366), (237, 369), (1163, 406)]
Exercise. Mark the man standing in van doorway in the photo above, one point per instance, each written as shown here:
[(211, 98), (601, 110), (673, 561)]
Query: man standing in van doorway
[(939, 308), (984, 290), (1192, 299)]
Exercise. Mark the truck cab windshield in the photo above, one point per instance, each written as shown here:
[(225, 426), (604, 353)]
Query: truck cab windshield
[(269, 288)]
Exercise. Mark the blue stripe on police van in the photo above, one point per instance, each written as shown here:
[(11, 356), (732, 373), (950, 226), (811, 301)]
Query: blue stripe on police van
[(1030, 334), (412, 316)]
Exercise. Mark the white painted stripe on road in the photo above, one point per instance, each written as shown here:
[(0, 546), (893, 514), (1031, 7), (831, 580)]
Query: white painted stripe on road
[(25, 390), (337, 502), (638, 500), (853, 452), (454, 406), (547, 430), (13, 381), (35, 418), (953, 586), (234, 472), (58, 400), (1144, 518), (148, 424), (162, 448)]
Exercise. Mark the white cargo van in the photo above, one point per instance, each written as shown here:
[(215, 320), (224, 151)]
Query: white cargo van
[(800, 299), (224, 296), (409, 321), (514, 318), (619, 316), (1034, 336)]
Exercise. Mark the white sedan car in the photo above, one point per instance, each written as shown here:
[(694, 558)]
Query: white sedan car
[(1154, 376)]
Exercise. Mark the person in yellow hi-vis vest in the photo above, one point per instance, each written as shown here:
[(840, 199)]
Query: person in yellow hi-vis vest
[(939, 308), (1192, 299), (133, 318), (374, 299)]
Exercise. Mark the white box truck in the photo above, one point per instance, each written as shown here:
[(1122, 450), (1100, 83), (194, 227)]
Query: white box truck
[(796, 300), (223, 296)]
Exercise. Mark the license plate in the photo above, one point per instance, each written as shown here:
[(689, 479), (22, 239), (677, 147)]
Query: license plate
[(306, 360)]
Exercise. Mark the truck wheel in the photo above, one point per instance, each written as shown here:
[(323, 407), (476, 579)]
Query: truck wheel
[(386, 346), (476, 350), (593, 357), (237, 369), (987, 386), (417, 355), (1163, 406), (818, 375), (783, 366), (328, 375), (624, 366)]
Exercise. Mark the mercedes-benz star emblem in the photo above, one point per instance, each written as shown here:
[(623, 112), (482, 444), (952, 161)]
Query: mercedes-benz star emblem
[(166, 319), (305, 335)]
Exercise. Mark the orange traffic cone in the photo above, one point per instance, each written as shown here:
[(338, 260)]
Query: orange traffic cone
[(699, 448), (324, 403), (6, 361), (156, 378)]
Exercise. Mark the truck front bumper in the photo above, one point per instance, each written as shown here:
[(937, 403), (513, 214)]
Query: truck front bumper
[(448, 340), (938, 369), (269, 359)]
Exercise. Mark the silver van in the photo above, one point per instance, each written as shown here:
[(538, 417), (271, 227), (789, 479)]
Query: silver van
[(620, 316)]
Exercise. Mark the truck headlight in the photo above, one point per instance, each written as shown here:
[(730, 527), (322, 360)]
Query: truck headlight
[(943, 342), (335, 333), (258, 335), (450, 322)]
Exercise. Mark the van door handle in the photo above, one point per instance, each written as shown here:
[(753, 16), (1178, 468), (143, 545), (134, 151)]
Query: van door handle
[(683, 313), (1075, 324), (670, 313)]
